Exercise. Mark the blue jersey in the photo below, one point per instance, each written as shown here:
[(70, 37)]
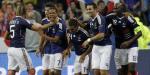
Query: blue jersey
[(58, 30), (98, 25), (17, 29), (77, 38), (47, 47), (123, 28)]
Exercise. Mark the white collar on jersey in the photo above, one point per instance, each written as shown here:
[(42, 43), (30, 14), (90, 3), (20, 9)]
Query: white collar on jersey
[(18, 16)]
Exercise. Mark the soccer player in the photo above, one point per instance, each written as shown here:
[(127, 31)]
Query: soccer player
[(102, 48), (77, 36), (18, 57), (126, 53), (45, 46), (57, 38)]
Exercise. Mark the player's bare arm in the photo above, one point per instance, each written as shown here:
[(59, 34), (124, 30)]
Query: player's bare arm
[(99, 36), (126, 44), (41, 46), (37, 26), (52, 39), (87, 52), (6, 35), (67, 51)]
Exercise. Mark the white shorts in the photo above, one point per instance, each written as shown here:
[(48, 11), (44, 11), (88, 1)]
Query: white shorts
[(18, 58), (125, 56), (56, 61), (101, 56), (81, 67), (46, 61)]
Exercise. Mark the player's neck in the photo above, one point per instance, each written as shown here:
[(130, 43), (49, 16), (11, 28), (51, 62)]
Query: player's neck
[(119, 14), (94, 15)]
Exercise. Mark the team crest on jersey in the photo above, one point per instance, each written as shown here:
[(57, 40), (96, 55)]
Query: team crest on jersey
[(53, 30), (94, 26), (123, 25), (115, 22), (74, 36)]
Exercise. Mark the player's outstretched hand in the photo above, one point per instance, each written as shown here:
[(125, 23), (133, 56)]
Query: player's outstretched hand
[(125, 44), (39, 52), (66, 53), (82, 58)]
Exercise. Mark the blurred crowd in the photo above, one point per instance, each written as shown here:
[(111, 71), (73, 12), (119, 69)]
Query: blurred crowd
[(69, 9)]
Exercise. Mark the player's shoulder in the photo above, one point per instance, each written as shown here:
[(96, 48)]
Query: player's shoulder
[(18, 18), (129, 16), (83, 31), (112, 14), (45, 19), (22, 20)]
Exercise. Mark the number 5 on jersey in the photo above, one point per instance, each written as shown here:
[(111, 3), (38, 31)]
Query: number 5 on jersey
[(12, 31)]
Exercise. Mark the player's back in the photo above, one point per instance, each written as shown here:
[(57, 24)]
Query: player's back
[(17, 28)]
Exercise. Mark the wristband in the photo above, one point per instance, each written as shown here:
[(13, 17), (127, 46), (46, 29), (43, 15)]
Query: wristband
[(89, 40)]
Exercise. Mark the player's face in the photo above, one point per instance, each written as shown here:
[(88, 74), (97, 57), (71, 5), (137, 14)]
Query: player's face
[(101, 6), (73, 28), (52, 14), (90, 10)]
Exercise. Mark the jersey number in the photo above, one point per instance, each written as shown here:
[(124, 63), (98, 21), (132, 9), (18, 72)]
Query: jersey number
[(12, 31)]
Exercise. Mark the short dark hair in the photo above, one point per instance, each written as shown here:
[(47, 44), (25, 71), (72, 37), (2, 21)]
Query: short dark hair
[(73, 22), (52, 6), (100, 1), (29, 3), (92, 4), (48, 4)]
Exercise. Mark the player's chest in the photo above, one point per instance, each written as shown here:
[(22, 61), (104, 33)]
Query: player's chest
[(94, 25), (120, 23), (76, 38), (52, 30)]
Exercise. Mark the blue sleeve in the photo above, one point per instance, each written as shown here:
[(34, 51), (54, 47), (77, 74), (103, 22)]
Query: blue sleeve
[(102, 23), (85, 36), (26, 23)]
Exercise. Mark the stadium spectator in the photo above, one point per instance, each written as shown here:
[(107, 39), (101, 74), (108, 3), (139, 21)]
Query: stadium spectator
[(31, 44), (9, 13), (31, 13), (73, 11), (133, 5), (60, 10), (145, 11), (102, 7), (1, 22)]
